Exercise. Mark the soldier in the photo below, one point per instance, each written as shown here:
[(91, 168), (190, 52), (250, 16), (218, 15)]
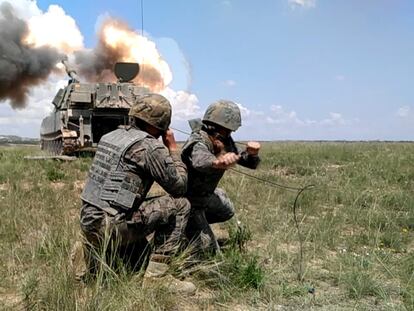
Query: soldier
[(208, 153), (116, 212)]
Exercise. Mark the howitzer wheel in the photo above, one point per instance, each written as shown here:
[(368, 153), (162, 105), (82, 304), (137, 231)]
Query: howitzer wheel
[(54, 147)]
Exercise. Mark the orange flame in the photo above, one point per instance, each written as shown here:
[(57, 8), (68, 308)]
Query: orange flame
[(130, 46)]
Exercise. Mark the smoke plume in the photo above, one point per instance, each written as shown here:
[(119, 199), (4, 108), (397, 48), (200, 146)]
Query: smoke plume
[(117, 42), (21, 65)]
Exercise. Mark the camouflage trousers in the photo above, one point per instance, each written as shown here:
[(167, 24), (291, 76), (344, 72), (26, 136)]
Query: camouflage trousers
[(164, 216), (206, 210)]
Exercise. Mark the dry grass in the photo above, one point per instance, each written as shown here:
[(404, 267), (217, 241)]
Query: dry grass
[(358, 228)]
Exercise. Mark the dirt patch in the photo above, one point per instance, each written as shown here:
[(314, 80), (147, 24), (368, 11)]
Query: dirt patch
[(239, 307), (78, 185), (283, 171), (201, 297), (352, 230), (4, 187), (57, 185), (333, 167), (11, 301), (26, 186)]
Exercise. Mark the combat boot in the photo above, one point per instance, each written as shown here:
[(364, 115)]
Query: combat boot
[(156, 274)]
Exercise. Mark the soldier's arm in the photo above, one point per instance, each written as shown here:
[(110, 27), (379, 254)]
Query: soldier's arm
[(246, 159), (202, 159), (249, 160), (167, 169)]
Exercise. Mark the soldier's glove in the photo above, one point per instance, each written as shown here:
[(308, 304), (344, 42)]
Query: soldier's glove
[(226, 160), (253, 148)]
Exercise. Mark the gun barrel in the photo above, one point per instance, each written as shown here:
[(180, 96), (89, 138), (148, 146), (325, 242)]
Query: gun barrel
[(70, 71)]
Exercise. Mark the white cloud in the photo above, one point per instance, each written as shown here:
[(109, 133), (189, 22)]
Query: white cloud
[(184, 104), (302, 3), (280, 117), (334, 119), (245, 112), (229, 83), (277, 122), (403, 112)]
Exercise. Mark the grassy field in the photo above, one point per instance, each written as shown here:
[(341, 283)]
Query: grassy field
[(357, 226)]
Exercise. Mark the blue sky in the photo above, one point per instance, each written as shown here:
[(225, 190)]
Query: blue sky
[(303, 69)]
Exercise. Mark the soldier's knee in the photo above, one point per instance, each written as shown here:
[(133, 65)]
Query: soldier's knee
[(228, 212), (227, 205)]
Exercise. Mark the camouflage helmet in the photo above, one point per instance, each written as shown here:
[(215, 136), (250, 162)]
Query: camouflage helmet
[(224, 113), (153, 109)]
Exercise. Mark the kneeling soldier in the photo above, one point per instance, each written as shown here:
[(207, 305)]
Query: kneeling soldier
[(208, 153), (116, 214)]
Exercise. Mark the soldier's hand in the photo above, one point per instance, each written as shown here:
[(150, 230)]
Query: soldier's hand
[(226, 160), (253, 147), (169, 140)]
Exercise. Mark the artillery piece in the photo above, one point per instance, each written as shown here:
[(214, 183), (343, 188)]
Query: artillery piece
[(84, 112)]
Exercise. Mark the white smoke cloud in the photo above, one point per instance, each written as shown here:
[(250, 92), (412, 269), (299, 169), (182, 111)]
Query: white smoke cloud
[(52, 27), (24, 9), (302, 3), (55, 28)]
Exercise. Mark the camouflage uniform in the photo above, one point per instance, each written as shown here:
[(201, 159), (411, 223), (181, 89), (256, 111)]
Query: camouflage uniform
[(208, 203), (115, 203)]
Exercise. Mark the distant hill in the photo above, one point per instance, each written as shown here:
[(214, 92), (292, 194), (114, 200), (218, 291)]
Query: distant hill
[(13, 139)]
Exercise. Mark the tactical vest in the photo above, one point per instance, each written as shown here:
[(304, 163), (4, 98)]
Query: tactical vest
[(112, 185), (199, 183)]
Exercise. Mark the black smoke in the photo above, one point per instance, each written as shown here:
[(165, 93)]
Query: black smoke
[(21, 66)]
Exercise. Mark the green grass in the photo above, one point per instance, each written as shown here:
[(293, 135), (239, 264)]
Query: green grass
[(357, 227)]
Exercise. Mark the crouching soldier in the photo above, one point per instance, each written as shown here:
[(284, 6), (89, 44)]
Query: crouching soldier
[(116, 216), (208, 153)]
